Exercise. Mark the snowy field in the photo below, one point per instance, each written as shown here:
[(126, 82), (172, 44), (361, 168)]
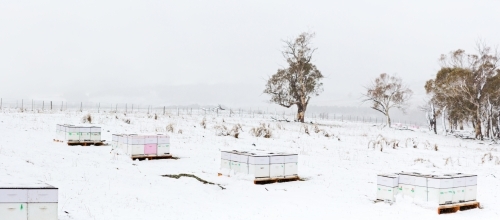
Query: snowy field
[(339, 172)]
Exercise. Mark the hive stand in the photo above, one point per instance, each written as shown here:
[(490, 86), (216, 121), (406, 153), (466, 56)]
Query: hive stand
[(452, 208)]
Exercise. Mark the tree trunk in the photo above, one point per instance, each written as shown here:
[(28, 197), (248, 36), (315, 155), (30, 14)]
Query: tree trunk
[(301, 111), (434, 126), (388, 119), (477, 128)]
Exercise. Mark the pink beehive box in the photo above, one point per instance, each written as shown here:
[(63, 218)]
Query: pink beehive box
[(150, 149)]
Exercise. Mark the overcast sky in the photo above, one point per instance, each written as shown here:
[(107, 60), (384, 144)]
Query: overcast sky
[(210, 52)]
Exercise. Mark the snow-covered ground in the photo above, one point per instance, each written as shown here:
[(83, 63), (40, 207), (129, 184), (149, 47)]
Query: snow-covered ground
[(339, 172)]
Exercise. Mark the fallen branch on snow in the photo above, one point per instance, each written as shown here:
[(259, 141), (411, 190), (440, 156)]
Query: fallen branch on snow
[(192, 176)]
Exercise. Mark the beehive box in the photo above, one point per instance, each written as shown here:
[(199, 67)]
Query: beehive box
[(78, 133), (28, 201), (144, 145), (260, 164)]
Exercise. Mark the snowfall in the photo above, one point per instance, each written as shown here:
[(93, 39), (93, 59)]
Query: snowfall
[(338, 173)]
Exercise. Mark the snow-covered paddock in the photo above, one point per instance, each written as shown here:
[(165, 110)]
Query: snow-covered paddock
[(340, 175)]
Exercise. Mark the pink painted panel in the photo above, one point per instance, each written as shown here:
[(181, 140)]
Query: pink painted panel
[(150, 148)]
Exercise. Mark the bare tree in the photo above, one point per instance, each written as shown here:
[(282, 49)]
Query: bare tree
[(296, 84), (388, 92)]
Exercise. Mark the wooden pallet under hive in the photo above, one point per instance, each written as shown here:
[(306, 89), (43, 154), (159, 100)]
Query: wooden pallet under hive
[(452, 208)]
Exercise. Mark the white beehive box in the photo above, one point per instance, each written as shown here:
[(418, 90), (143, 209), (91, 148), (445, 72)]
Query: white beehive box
[(14, 211), (243, 162), (135, 145), (150, 139), (122, 143), (407, 190), (277, 166), (163, 149), (72, 133), (459, 182), (42, 211), (84, 133), (470, 193), (406, 178), (291, 164), (389, 180), (28, 201), (163, 144), (258, 165), (114, 140), (163, 139), (95, 133), (440, 189), (386, 193)]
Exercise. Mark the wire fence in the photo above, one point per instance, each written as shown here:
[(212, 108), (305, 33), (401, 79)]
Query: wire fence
[(41, 106)]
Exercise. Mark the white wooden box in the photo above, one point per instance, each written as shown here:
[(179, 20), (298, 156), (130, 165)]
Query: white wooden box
[(421, 193), (421, 180), (150, 139), (471, 180), (277, 159), (226, 155), (243, 157), (389, 180), (13, 195), (458, 194), (277, 170), (440, 182), (292, 158), (135, 140), (470, 193), (407, 190), (135, 149), (259, 159), (291, 169), (72, 134), (47, 195), (244, 167), (163, 139), (407, 178), (163, 149), (235, 166), (386, 193), (95, 136), (14, 211), (225, 164), (235, 156), (440, 196), (258, 170), (42, 211)]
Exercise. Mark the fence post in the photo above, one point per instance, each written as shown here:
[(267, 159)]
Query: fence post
[(81, 106), (62, 105), (163, 110), (99, 108), (22, 106), (50, 105)]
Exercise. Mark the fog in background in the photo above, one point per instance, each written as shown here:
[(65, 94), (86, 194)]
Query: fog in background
[(221, 52)]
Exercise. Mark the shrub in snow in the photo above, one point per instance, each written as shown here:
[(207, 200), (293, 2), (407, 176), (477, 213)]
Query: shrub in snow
[(204, 123), (261, 131), (87, 118), (222, 130), (170, 128)]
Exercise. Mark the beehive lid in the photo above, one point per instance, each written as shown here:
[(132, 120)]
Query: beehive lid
[(13, 182)]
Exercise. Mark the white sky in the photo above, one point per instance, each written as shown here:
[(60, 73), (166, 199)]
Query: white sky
[(210, 52)]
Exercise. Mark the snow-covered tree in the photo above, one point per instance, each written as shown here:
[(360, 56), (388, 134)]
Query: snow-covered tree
[(387, 92)]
